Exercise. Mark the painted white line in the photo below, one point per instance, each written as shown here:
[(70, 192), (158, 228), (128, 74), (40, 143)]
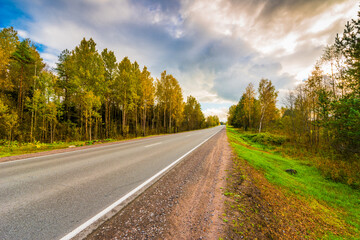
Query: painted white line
[(188, 135), (153, 144), (97, 147), (109, 208)]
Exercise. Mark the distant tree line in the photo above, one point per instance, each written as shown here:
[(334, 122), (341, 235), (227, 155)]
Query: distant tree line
[(321, 113), (89, 96), (252, 113)]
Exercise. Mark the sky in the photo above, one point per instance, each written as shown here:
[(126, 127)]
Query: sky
[(213, 48)]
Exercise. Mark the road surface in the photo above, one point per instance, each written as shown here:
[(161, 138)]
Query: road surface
[(48, 197)]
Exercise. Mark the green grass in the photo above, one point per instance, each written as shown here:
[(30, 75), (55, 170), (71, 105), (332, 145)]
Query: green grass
[(16, 148), (308, 183)]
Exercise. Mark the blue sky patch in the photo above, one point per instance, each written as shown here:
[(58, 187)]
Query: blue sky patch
[(11, 15)]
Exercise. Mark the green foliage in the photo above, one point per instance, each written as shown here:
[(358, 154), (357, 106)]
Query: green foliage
[(267, 101), (193, 116), (266, 138), (170, 102), (307, 184), (8, 148), (349, 46), (321, 116), (346, 125), (212, 121), (90, 97), (252, 113)]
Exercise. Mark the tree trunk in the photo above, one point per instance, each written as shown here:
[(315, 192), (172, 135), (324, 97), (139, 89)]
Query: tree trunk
[(20, 92), (90, 123), (51, 131), (66, 100), (333, 80), (123, 120), (10, 137), (164, 118), (153, 119), (86, 125), (32, 124), (43, 130), (170, 118), (96, 128), (158, 120), (35, 125), (144, 126), (136, 121), (106, 119), (109, 119), (261, 120), (249, 118)]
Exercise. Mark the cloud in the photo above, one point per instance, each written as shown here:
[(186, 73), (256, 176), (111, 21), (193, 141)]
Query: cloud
[(214, 48), (222, 113)]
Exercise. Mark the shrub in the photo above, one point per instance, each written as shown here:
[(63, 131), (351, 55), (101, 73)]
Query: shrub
[(267, 138)]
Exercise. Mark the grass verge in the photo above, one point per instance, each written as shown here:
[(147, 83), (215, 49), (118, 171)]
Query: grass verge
[(15, 148), (333, 209)]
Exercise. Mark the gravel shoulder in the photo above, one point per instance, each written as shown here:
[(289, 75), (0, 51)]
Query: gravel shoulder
[(187, 203)]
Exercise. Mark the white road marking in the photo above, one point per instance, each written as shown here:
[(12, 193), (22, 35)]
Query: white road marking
[(153, 144), (109, 208)]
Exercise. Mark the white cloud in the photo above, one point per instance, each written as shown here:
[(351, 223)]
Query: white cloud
[(220, 112), (213, 48), (23, 33)]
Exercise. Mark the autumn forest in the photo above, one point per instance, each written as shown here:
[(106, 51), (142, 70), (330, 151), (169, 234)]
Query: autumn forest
[(89, 95), (321, 115)]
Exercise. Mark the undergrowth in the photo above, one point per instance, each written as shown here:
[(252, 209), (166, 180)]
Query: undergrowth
[(8, 149), (16, 148), (333, 166), (337, 203)]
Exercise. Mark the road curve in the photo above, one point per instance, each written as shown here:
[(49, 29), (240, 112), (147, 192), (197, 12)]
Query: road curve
[(48, 197)]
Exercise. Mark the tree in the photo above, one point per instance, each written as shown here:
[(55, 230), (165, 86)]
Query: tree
[(91, 95), (65, 71), (212, 121), (9, 119), (175, 103), (89, 75), (267, 99), (349, 45), (8, 42), (22, 57), (346, 125), (248, 107), (126, 88), (193, 116), (110, 66), (333, 56), (147, 95), (231, 115), (91, 105), (346, 111), (136, 76)]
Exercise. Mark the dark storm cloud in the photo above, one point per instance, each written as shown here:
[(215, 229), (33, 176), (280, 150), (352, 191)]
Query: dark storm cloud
[(269, 12), (170, 6)]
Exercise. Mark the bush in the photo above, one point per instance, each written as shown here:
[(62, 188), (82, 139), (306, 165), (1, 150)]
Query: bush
[(267, 138), (347, 172)]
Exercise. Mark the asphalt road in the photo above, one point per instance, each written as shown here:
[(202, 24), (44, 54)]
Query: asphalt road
[(48, 197)]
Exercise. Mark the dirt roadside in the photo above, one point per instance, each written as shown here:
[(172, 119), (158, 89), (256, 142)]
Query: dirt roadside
[(187, 203)]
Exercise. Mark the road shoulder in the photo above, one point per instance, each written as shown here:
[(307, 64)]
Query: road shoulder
[(187, 203)]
